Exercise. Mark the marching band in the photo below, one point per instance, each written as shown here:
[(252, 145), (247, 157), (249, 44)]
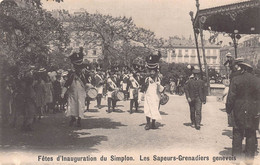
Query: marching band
[(84, 86)]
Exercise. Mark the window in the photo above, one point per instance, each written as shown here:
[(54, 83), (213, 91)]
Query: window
[(193, 59), (214, 52), (214, 60), (208, 52), (94, 60), (186, 59), (208, 60), (94, 52), (186, 50), (180, 52)]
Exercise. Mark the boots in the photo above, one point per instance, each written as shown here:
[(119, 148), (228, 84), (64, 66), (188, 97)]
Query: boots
[(131, 106), (147, 126), (78, 122), (109, 102), (72, 120), (153, 124)]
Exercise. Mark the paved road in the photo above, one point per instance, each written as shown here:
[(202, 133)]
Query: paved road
[(120, 133)]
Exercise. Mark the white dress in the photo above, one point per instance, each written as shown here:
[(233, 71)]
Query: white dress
[(76, 98), (152, 100)]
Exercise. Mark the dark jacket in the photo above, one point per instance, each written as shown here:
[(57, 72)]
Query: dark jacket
[(191, 86), (242, 99)]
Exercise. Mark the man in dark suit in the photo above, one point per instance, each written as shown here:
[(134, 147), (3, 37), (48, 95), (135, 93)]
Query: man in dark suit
[(243, 99), (195, 94)]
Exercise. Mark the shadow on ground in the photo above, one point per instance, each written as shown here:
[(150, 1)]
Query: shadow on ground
[(226, 151), (134, 111), (157, 124), (227, 133), (163, 113), (187, 124), (53, 133), (104, 123)]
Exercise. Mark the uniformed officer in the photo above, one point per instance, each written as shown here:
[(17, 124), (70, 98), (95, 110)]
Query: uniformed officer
[(242, 101)]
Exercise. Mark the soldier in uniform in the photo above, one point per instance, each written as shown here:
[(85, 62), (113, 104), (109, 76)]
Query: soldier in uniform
[(195, 95), (99, 82), (152, 89), (125, 79), (243, 102), (76, 90), (133, 93), (111, 87), (89, 85)]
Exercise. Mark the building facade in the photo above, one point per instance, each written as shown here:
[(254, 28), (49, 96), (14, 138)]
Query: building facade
[(184, 51), (92, 51), (248, 49)]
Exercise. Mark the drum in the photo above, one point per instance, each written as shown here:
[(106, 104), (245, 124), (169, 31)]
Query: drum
[(118, 95), (164, 99), (92, 93)]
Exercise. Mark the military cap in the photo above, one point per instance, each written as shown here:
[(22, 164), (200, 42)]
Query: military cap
[(152, 61), (76, 59), (228, 54)]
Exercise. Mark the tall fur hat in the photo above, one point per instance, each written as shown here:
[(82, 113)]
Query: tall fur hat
[(76, 59), (152, 61)]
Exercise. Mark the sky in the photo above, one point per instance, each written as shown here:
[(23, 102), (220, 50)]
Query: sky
[(164, 17)]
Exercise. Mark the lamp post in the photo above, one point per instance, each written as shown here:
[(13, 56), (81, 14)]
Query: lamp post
[(202, 19), (196, 42), (235, 37)]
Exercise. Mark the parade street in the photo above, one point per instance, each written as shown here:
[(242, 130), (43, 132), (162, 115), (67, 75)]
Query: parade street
[(121, 133)]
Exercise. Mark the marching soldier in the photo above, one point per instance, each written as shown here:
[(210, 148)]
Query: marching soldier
[(89, 85), (243, 102), (133, 93), (151, 90), (111, 87), (76, 90), (195, 95), (99, 82), (124, 85)]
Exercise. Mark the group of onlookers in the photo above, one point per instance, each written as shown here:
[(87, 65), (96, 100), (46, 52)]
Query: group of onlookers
[(31, 96)]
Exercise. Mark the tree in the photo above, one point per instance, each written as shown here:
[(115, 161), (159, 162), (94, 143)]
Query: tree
[(28, 35), (174, 71), (118, 37)]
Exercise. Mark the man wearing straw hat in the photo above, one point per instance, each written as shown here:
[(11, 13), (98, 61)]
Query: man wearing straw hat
[(242, 100)]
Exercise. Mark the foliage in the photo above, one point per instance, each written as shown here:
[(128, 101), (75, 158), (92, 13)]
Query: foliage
[(28, 35), (119, 38), (174, 71)]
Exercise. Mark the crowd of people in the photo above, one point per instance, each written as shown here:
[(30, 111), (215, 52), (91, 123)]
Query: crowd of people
[(41, 91), (242, 98)]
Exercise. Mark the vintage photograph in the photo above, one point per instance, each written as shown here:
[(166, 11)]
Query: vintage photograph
[(136, 82)]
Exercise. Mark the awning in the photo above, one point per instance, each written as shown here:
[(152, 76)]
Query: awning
[(242, 18)]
